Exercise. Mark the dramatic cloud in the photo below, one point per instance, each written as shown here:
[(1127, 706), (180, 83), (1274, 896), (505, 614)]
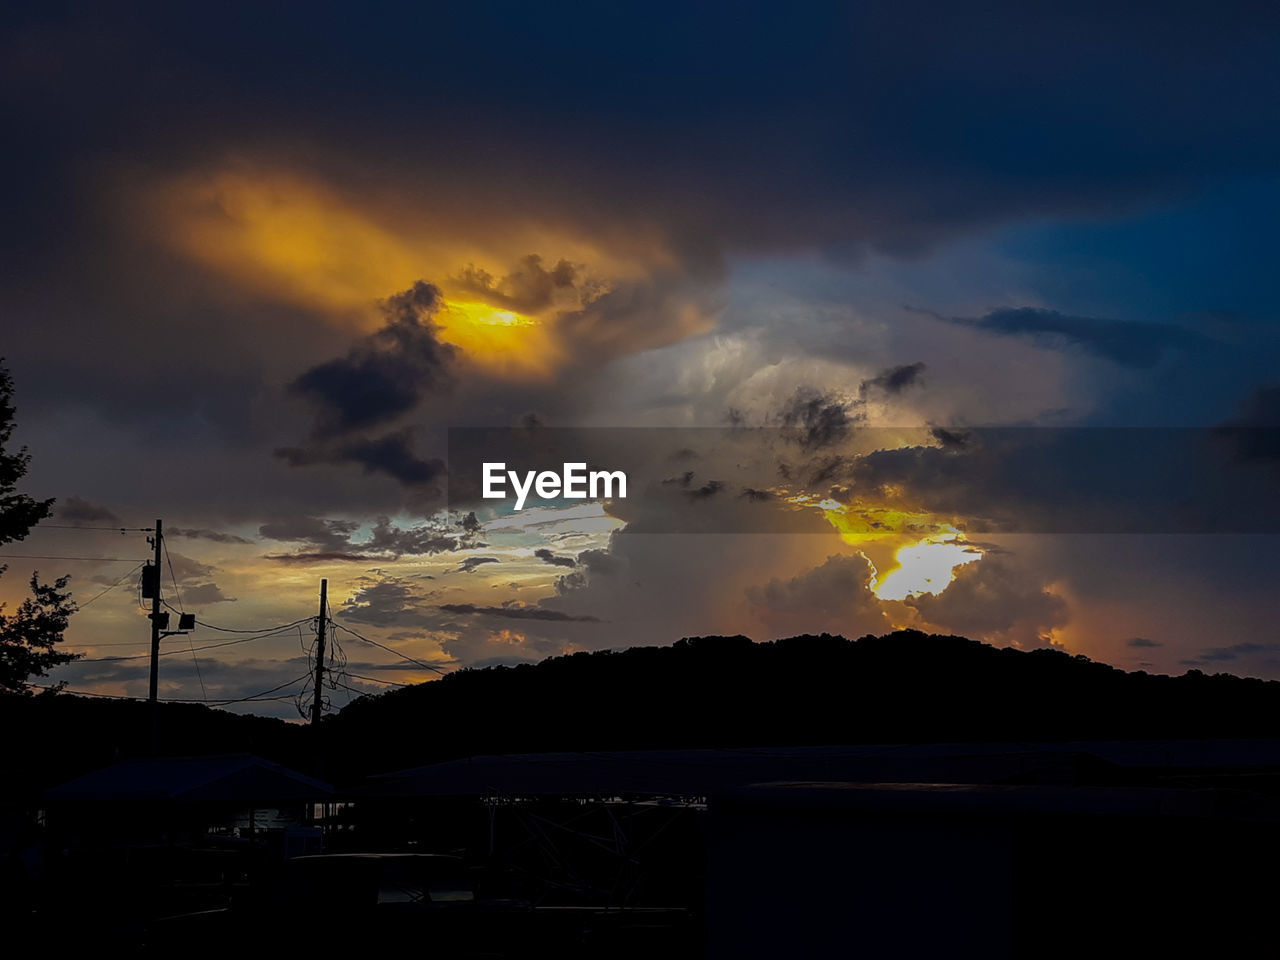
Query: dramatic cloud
[(546, 556), (469, 564), (1143, 642), (816, 420), (893, 380), (514, 611), (529, 288), (194, 581), (387, 373), (323, 556), (214, 536), (590, 563), (392, 455), (386, 602), (727, 239), (706, 491), (381, 378), (334, 538), (835, 597), (1126, 342), (1255, 434), (77, 511), (205, 593), (995, 599), (327, 534), (1234, 652)]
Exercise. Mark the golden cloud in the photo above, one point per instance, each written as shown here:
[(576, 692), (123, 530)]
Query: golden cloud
[(524, 299)]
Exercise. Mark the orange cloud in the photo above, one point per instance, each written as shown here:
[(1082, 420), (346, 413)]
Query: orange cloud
[(524, 299)]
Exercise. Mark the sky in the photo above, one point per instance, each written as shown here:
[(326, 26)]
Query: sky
[(953, 318)]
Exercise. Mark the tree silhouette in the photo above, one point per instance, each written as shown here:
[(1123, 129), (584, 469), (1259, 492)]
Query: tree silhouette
[(29, 636)]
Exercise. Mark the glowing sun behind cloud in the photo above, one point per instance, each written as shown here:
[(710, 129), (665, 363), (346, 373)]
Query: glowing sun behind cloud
[(288, 236), (504, 342), (925, 567), (923, 562)]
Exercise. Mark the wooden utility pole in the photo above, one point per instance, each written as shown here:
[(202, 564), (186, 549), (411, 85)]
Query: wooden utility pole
[(154, 688), (317, 702)]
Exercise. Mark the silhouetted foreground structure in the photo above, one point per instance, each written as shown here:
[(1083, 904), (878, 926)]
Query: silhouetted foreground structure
[(928, 870), (702, 773), (143, 839), (184, 799), (660, 811)]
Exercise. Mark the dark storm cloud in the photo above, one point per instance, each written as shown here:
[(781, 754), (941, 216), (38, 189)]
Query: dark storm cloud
[(706, 491), (815, 420), (995, 599), (1235, 651), (835, 596), (893, 380), (515, 612), (390, 601), (387, 373), (324, 556), (546, 556), (437, 536), (385, 541), (205, 593), (1254, 436), (1142, 642), (392, 455), (591, 564), (184, 568), (1077, 480), (529, 288), (823, 470), (214, 536), (951, 439), (470, 563), (77, 511), (877, 122), (193, 581), (380, 379), (327, 534), (1126, 342)]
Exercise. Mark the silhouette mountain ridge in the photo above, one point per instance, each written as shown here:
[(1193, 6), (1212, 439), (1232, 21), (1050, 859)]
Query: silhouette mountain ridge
[(700, 692), (727, 691)]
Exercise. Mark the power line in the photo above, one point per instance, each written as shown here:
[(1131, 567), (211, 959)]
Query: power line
[(182, 609), (172, 576), (283, 626), (122, 643), (287, 683), (41, 556), (350, 690), (168, 653), (230, 630), (392, 683), (78, 526), (383, 646), (112, 587), (263, 695)]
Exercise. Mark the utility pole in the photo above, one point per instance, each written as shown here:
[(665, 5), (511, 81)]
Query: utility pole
[(154, 688), (317, 702)]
